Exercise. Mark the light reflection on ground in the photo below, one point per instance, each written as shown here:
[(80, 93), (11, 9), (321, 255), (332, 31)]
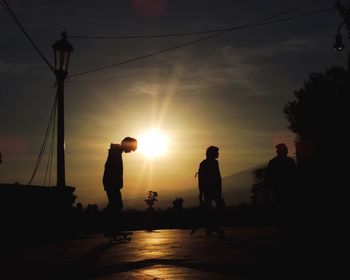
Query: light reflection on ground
[(160, 254), (156, 244)]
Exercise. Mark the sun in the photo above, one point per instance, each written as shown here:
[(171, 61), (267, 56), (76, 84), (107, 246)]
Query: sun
[(153, 143)]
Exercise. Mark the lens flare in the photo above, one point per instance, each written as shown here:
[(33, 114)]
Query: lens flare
[(153, 144)]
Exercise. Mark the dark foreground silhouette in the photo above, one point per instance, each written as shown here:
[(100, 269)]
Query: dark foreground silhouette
[(113, 182), (210, 190)]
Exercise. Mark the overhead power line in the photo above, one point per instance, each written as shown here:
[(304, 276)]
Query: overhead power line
[(43, 146), (51, 124), (213, 33), (250, 25), (51, 149), (179, 34), (9, 11), (146, 55)]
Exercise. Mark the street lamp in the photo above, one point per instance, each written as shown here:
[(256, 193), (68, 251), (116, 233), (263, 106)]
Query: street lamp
[(62, 49), (338, 45), (345, 12)]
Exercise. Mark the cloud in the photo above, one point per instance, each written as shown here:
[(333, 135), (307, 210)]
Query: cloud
[(12, 69), (144, 87), (299, 44)]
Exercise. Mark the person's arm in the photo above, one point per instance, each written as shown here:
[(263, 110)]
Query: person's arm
[(218, 175), (200, 183)]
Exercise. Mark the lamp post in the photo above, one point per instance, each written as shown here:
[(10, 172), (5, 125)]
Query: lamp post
[(62, 49), (339, 45)]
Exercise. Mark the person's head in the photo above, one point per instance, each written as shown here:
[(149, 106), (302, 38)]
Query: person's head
[(212, 152), (281, 149), (129, 144)]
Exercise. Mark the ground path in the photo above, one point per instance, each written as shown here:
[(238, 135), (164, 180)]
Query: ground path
[(244, 253)]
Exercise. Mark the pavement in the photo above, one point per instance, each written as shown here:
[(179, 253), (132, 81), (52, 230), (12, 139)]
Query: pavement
[(243, 253)]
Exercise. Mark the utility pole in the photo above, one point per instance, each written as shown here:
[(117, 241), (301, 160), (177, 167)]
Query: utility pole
[(345, 12), (62, 49)]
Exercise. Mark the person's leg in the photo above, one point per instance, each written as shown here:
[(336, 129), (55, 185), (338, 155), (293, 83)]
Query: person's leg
[(108, 214), (208, 199), (217, 218), (118, 201), (115, 204)]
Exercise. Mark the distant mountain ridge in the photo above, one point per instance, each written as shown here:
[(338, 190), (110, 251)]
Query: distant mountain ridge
[(237, 187), (236, 190)]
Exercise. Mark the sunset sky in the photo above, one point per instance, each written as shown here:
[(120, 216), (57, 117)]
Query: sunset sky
[(228, 91)]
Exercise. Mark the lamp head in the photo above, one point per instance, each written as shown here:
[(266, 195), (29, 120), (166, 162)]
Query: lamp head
[(338, 45), (62, 50)]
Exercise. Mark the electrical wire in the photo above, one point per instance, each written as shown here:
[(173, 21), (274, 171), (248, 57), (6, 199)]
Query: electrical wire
[(42, 150), (9, 11), (213, 33), (51, 151), (250, 25), (194, 32), (52, 147)]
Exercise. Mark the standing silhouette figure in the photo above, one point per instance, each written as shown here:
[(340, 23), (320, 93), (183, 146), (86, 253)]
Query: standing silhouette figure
[(281, 176), (113, 182), (210, 189), (281, 179)]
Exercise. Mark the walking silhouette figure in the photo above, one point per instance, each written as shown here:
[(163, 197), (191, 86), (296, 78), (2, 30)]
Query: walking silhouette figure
[(210, 189)]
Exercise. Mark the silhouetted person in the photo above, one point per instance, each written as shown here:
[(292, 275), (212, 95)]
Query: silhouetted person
[(113, 180), (210, 187), (281, 177)]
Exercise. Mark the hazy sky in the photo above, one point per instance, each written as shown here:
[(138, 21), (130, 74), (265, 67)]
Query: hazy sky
[(228, 91)]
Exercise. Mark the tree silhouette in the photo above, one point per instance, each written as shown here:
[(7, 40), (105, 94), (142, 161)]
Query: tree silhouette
[(178, 203), (152, 197), (318, 112), (150, 213), (318, 116), (261, 195)]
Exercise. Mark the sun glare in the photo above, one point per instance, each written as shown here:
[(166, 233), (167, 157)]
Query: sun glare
[(153, 144)]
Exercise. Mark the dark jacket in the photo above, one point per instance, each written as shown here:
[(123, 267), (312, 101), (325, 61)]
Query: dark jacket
[(281, 175), (113, 173), (209, 177)]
